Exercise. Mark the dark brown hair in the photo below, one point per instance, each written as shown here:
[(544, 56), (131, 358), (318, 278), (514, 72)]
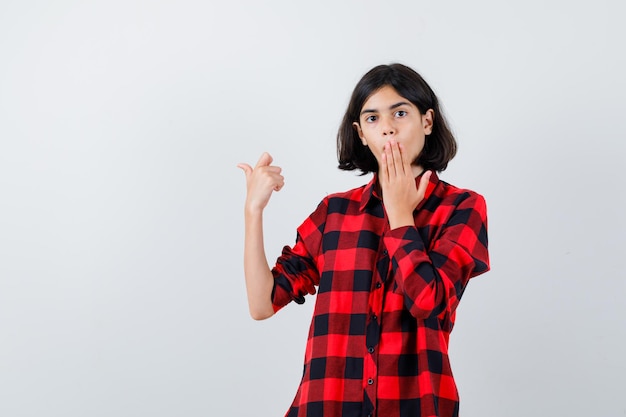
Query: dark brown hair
[(440, 145)]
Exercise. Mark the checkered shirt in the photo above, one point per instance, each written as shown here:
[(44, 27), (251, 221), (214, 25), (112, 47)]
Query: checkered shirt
[(386, 301)]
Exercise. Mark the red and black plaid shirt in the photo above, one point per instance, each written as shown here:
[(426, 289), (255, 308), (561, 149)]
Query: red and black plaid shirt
[(386, 302)]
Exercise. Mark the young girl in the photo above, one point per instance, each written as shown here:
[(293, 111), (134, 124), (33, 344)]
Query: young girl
[(390, 260)]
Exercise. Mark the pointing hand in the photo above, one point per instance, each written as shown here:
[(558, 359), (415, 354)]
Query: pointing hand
[(261, 181)]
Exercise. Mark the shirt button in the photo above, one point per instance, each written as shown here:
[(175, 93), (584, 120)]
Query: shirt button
[(370, 381), (378, 285), (385, 252), (370, 349), (374, 317)]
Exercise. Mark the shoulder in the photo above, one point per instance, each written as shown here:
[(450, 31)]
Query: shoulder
[(333, 200), (333, 205), (451, 197), (341, 201), (457, 194)]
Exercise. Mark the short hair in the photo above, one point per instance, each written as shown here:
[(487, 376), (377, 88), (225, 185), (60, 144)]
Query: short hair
[(439, 147)]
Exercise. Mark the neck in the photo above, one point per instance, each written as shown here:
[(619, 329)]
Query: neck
[(417, 170)]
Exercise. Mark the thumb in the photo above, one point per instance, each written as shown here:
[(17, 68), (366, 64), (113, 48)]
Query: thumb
[(247, 169), (424, 182), (264, 160)]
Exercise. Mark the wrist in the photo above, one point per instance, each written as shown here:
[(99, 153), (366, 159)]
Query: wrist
[(253, 211), (402, 220)]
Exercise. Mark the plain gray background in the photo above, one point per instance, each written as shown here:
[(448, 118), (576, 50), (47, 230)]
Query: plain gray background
[(121, 207)]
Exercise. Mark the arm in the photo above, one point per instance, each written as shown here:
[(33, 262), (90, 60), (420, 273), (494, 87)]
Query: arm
[(432, 279), (260, 181)]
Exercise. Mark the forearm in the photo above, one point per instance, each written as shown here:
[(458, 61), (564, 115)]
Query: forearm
[(414, 272), (433, 279), (258, 276)]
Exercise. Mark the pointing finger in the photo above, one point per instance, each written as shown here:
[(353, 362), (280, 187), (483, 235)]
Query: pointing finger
[(247, 169)]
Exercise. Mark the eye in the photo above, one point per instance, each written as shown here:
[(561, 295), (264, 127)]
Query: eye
[(401, 113), (370, 119)]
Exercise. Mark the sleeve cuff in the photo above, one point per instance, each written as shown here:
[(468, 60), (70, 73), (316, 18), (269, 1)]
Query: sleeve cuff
[(406, 238)]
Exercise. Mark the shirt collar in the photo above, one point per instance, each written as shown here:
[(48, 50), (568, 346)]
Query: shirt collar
[(370, 195)]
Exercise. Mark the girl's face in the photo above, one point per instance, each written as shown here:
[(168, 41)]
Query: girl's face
[(387, 115)]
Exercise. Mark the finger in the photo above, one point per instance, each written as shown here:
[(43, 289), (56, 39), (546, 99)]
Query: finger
[(391, 168), (247, 169), (264, 160), (397, 158), (383, 167), (280, 183), (406, 163), (421, 189), (273, 169)]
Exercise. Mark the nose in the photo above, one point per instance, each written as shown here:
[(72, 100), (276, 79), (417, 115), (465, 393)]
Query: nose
[(387, 127)]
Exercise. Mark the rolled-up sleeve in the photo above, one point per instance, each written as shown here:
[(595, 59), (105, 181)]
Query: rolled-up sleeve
[(296, 272)]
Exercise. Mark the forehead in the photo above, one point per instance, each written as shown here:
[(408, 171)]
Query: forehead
[(383, 98)]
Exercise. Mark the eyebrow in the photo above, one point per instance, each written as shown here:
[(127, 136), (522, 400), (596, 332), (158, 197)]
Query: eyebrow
[(402, 103)]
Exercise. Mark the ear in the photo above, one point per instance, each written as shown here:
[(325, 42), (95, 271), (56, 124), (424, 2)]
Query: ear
[(359, 131), (428, 119)]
